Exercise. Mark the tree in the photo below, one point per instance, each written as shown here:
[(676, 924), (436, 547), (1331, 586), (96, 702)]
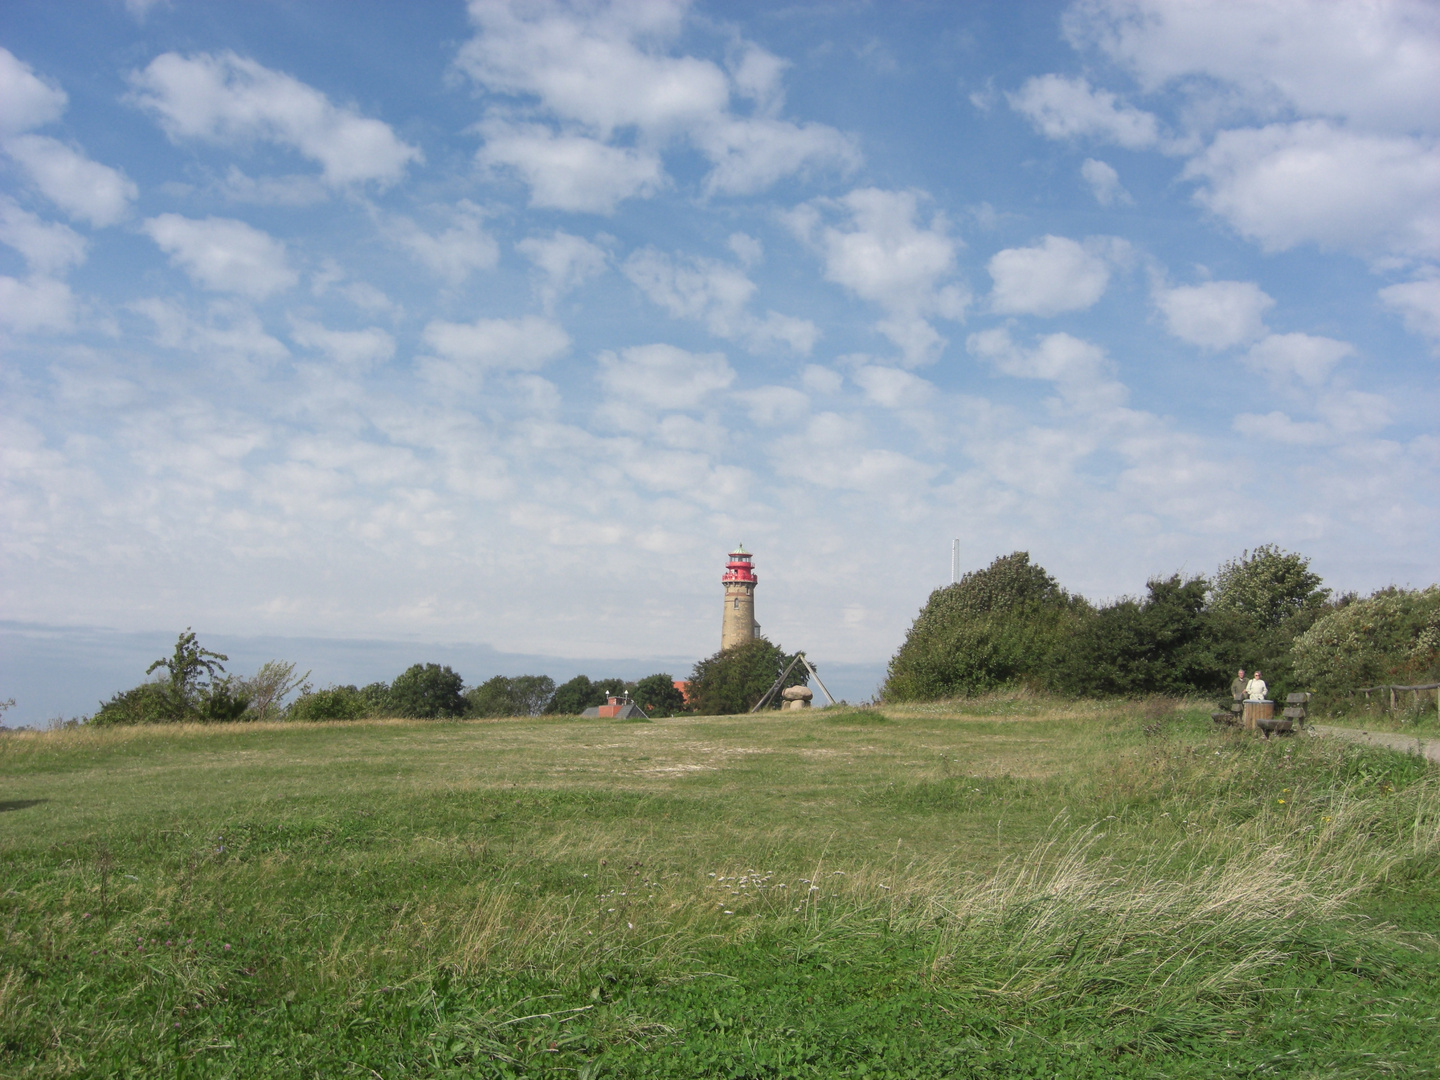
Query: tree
[(531, 693), (490, 699), (608, 688), (1159, 645), (1391, 635), (184, 689), (657, 693), (574, 697), (194, 688), (734, 679), (994, 626), (427, 691), (268, 688), (1269, 585), (523, 695)]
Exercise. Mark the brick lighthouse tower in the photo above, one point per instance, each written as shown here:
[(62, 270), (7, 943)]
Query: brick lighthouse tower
[(739, 626)]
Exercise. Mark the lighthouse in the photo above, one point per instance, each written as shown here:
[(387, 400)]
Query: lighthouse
[(739, 626)]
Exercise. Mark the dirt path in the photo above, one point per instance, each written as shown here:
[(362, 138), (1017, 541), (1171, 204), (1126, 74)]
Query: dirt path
[(1409, 744)]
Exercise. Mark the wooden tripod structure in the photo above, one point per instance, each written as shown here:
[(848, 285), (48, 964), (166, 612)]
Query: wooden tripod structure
[(778, 683)]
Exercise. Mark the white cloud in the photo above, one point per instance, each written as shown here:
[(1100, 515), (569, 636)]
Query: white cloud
[(230, 99), (1216, 314), (82, 188), (273, 190), (565, 262), (1056, 276), (227, 329), (590, 66), (757, 75), (1338, 416), (1062, 108), (1354, 412), (893, 388), (605, 70), (48, 246), (29, 101), (456, 252), (350, 348), (1287, 357), (831, 452), (571, 172), (822, 380), (750, 154), (664, 377), (224, 254), (1081, 370), (524, 344), (38, 304), (1059, 357), (883, 256), (1104, 183), (746, 248), (139, 9), (700, 288), (1314, 182), (1418, 303), (1375, 63), (1277, 426), (1343, 150), (771, 405), (360, 293)]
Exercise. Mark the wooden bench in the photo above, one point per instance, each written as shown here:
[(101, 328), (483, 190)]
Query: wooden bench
[(1227, 713), (1292, 718), (1295, 708)]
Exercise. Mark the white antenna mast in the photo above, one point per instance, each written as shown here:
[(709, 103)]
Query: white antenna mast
[(954, 561)]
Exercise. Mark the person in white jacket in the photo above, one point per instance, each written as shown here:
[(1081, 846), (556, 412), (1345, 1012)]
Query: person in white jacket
[(1255, 689)]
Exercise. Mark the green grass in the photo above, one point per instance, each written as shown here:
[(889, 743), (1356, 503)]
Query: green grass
[(1008, 887)]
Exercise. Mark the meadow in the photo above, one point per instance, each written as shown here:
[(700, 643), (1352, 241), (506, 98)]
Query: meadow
[(1009, 886)]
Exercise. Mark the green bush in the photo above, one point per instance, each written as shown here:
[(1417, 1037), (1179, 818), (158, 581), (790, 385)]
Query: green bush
[(427, 691), (1391, 636), (1012, 623), (223, 702), (994, 626), (144, 704), (376, 696), (194, 689), (331, 703), (734, 679)]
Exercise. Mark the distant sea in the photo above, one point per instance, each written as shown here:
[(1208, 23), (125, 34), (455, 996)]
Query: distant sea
[(57, 673)]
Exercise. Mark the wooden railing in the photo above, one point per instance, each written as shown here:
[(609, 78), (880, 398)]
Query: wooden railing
[(1394, 688)]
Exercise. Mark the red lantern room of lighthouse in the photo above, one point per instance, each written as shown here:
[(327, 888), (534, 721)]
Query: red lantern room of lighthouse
[(739, 626)]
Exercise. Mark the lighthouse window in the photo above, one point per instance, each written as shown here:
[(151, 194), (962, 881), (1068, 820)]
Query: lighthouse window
[(737, 601)]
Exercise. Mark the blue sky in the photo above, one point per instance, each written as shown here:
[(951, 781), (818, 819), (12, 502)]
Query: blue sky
[(501, 323)]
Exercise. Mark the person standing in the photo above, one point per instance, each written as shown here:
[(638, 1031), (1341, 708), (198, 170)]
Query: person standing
[(1237, 686), (1255, 689)]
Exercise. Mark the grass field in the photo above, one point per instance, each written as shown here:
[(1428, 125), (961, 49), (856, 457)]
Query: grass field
[(1005, 887)]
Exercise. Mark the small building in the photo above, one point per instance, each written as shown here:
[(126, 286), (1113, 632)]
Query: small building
[(620, 707)]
